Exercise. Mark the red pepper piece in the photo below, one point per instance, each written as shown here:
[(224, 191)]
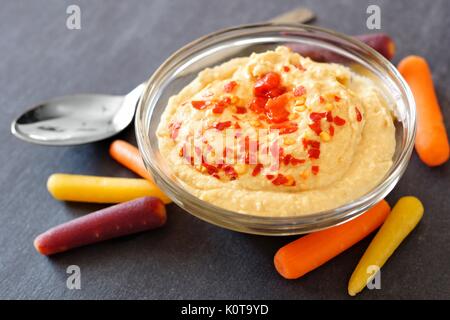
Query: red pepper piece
[(329, 116), (199, 104), (331, 130), (229, 86), (317, 116), (215, 175), (315, 126), (225, 101), (338, 121), (358, 115), (265, 83), (218, 109), (230, 172), (222, 125), (210, 168), (315, 170), (276, 109), (314, 153), (295, 161), (299, 91), (287, 159), (275, 92), (258, 104), (285, 128), (286, 69), (257, 169), (279, 180), (241, 110), (312, 143)]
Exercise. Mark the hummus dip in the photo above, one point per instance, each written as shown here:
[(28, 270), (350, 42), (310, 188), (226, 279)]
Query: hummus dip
[(277, 134)]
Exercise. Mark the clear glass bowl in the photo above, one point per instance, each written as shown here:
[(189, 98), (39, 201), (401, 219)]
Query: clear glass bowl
[(183, 66)]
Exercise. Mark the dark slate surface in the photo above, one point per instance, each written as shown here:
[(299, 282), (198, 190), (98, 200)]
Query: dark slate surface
[(120, 45)]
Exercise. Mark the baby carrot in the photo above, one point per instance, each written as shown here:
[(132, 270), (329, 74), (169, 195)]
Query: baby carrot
[(128, 155), (431, 138), (405, 215), (122, 219), (311, 251), (71, 187)]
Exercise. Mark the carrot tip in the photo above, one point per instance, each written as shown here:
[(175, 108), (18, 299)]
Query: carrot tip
[(38, 247)]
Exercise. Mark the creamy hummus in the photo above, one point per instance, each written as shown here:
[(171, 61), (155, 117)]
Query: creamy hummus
[(277, 134)]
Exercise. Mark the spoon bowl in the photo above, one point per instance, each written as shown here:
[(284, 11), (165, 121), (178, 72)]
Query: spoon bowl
[(77, 119)]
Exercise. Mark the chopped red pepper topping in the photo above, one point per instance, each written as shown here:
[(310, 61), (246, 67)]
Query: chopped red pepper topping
[(285, 128), (275, 92), (229, 86), (218, 108), (315, 126), (314, 153), (230, 172), (358, 115), (241, 110), (280, 179), (199, 104), (258, 104), (257, 169), (312, 143), (287, 158), (315, 170), (299, 91), (329, 116), (267, 82), (317, 116), (276, 109), (295, 161), (286, 69), (331, 130), (237, 126), (225, 101), (222, 125), (210, 168), (321, 99), (337, 98), (338, 121), (270, 176)]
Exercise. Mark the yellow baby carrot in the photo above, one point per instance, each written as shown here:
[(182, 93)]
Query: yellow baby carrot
[(405, 215), (71, 187)]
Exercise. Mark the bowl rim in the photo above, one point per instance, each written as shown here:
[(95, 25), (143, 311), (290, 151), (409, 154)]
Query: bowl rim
[(219, 215)]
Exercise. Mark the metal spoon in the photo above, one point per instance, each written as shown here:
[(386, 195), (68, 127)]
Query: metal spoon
[(79, 119)]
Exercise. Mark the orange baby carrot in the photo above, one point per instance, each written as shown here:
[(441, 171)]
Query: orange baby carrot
[(311, 251), (128, 155), (431, 138)]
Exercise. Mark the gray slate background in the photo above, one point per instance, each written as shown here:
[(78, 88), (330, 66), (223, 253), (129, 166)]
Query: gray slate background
[(120, 44)]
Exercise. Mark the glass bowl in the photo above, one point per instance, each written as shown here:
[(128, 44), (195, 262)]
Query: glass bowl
[(184, 65)]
